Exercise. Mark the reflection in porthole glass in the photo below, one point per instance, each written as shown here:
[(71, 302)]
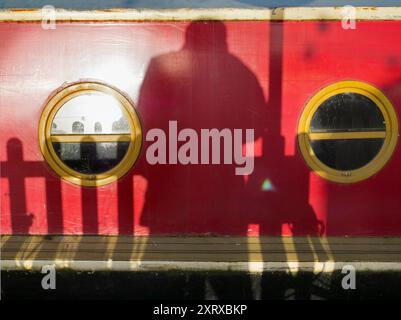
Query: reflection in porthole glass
[(81, 132), (88, 113), (91, 157)]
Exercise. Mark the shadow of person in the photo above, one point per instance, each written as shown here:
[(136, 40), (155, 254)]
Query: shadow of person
[(283, 211), (202, 86)]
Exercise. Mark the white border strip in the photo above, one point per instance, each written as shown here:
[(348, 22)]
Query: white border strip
[(252, 267), (186, 14)]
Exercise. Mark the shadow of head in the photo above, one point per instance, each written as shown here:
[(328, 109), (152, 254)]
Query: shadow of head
[(201, 36)]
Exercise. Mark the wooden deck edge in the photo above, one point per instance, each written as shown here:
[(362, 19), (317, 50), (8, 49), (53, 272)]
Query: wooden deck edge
[(253, 254), (183, 266), (200, 14)]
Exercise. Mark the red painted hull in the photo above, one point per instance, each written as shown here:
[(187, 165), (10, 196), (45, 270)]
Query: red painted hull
[(258, 75)]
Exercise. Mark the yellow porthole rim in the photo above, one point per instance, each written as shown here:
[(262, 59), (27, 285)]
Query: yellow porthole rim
[(56, 101), (390, 139)]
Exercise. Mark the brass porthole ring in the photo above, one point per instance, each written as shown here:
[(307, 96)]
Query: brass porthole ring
[(348, 131), (90, 133)]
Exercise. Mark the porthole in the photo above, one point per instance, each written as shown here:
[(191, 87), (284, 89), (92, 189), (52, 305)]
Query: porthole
[(348, 131), (90, 134)]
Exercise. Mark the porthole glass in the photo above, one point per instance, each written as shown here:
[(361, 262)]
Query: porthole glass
[(347, 111), (90, 133), (348, 131), (346, 154)]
